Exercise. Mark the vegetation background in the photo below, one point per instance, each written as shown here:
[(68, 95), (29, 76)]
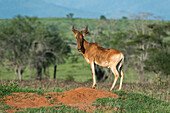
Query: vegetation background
[(51, 41)]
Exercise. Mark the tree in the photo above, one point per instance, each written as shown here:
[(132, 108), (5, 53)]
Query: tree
[(25, 41), (141, 45), (124, 17), (144, 46), (70, 15), (48, 49), (15, 41), (139, 22), (158, 63), (60, 49), (41, 56), (102, 17)]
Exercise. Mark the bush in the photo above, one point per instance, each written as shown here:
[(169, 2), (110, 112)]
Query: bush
[(74, 59), (70, 78), (6, 89)]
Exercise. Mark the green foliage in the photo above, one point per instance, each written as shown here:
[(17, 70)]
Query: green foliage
[(74, 59), (118, 40), (26, 41), (102, 17), (114, 40), (16, 40), (111, 34), (160, 30), (142, 38), (8, 88), (145, 46), (48, 49), (158, 62)]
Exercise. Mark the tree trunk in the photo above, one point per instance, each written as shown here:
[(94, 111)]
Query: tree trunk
[(55, 70), (45, 73), (141, 69), (20, 71), (39, 73), (142, 76), (16, 70)]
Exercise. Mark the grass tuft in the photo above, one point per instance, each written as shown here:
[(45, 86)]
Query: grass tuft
[(54, 109)]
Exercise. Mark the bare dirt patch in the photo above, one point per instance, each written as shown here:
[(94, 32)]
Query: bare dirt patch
[(81, 97)]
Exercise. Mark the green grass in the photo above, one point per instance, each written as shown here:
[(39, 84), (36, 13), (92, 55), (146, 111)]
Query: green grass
[(134, 103), (6, 73), (80, 71), (54, 109)]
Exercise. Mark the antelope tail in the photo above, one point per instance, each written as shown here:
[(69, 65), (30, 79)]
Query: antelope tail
[(120, 64)]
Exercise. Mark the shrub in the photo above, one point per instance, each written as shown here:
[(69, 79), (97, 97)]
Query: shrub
[(69, 78)]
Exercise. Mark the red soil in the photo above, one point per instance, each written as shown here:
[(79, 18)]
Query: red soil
[(82, 97)]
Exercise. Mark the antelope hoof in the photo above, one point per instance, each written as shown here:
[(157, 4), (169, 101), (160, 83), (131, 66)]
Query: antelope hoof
[(111, 88), (94, 86)]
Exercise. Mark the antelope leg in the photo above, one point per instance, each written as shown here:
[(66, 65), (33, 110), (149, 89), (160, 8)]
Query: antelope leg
[(93, 74)]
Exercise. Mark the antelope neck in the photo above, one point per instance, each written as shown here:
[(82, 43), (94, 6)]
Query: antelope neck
[(85, 45)]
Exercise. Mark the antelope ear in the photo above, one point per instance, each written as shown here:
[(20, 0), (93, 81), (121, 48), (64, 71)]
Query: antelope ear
[(74, 34), (85, 34), (85, 31)]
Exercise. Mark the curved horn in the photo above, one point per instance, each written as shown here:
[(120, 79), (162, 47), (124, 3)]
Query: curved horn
[(85, 31), (75, 31)]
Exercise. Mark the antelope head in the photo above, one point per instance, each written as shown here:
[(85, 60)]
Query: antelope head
[(80, 38)]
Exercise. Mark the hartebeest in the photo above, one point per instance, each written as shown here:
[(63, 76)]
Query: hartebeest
[(96, 54)]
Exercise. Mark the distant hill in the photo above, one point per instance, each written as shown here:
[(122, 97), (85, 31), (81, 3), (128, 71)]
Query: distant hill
[(40, 8), (83, 8), (119, 8)]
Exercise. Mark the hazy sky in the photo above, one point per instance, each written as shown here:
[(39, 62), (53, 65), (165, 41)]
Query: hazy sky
[(156, 7), (84, 8)]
